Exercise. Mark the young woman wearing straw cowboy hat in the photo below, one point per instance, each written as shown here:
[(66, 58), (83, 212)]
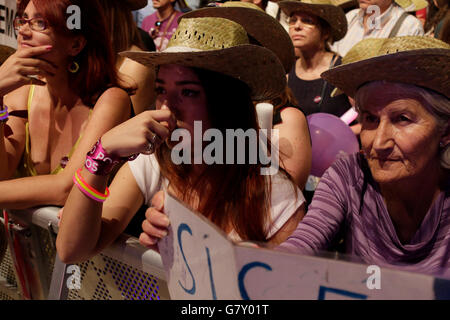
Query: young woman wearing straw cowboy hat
[(62, 93), (392, 200), (204, 56), (313, 25), (125, 36), (263, 30)]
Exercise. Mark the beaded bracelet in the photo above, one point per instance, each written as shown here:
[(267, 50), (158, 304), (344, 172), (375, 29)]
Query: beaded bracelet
[(88, 190), (4, 114)]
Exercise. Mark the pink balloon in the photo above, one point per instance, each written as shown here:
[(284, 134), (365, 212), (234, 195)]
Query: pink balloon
[(330, 137)]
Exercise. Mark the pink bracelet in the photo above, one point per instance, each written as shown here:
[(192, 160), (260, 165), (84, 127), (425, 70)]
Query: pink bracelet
[(87, 189), (100, 162)]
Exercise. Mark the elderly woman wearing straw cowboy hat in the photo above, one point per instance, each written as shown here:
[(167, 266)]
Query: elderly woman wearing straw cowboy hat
[(392, 199), (313, 25), (204, 56), (288, 119)]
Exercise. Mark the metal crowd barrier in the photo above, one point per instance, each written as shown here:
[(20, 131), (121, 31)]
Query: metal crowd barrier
[(30, 268)]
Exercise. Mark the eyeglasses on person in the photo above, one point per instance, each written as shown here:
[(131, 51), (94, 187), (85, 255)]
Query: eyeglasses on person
[(36, 24)]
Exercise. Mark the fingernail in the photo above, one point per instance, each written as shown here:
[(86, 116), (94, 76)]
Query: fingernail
[(158, 204), (166, 221), (49, 47), (163, 234)]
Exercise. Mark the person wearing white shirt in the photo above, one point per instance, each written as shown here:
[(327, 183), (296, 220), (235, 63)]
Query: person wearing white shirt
[(370, 22)]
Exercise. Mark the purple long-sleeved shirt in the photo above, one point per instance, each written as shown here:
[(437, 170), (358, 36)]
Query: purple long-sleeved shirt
[(370, 233)]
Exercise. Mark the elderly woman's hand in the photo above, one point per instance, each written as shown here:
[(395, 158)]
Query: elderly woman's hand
[(18, 70), (156, 223), (141, 134)]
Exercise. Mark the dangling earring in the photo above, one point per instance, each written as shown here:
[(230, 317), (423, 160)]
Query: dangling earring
[(74, 67)]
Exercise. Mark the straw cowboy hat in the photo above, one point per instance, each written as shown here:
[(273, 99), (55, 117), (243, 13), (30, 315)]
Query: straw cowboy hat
[(412, 5), (220, 45), (421, 61), (136, 4), (5, 52), (344, 4), (325, 9), (260, 26)]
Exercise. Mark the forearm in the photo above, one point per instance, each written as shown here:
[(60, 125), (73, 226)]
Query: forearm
[(30, 192), (323, 219), (81, 221), (87, 226), (4, 174)]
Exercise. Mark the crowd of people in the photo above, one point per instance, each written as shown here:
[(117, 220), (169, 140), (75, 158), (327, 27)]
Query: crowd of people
[(88, 118)]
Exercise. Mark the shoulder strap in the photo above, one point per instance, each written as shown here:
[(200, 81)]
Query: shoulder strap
[(322, 94), (398, 24), (30, 96)]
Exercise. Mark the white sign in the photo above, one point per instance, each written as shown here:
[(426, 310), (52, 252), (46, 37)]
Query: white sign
[(202, 263), (8, 11)]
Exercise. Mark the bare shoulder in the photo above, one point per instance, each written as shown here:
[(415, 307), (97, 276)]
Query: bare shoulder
[(17, 99), (114, 96), (292, 116), (114, 102)]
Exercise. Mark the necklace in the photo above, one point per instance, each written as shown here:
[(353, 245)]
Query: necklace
[(155, 32)]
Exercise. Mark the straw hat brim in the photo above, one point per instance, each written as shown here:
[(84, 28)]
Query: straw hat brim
[(259, 25), (5, 52), (428, 68), (256, 66), (136, 4), (333, 15)]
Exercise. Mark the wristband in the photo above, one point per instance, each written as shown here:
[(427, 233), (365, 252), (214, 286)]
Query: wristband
[(4, 114), (88, 190), (100, 162)]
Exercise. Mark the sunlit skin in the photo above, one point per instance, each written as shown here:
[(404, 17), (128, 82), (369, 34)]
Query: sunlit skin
[(179, 89), (399, 137)]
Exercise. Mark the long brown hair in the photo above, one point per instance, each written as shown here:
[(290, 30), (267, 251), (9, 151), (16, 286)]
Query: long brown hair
[(237, 195), (121, 25), (436, 14), (97, 60)]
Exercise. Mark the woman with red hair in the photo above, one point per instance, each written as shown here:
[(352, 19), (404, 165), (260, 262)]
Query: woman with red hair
[(59, 93)]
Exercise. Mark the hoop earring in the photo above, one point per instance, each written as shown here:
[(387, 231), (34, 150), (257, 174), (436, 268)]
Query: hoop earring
[(74, 67)]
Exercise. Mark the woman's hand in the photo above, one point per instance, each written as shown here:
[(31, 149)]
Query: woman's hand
[(156, 223), (18, 70), (134, 135)]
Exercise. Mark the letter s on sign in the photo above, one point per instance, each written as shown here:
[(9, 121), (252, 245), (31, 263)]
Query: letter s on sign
[(184, 227)]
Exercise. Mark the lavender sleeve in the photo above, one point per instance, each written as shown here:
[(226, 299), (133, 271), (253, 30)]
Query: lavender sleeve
[(325, 214)]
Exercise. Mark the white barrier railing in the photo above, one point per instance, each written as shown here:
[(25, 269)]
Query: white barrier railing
[(125, 270)]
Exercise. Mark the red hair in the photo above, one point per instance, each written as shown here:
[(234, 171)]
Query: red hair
[(233, 196), (97, 60)]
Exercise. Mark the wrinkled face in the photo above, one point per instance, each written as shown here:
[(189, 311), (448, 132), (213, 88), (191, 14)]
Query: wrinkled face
[(180, 89), (399, 137), (383, 4), (305, 31)]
